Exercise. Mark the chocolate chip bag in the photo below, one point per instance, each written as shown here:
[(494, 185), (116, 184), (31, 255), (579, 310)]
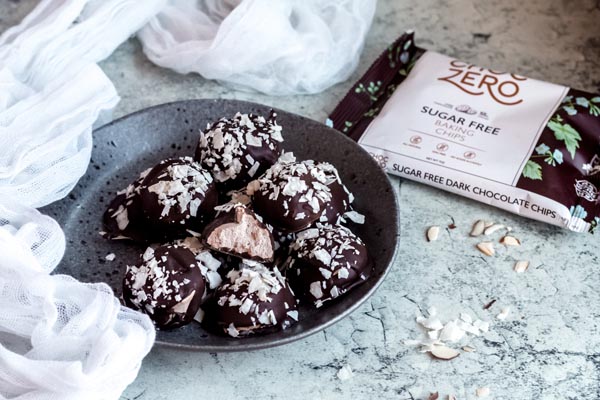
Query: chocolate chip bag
[(526, 146)]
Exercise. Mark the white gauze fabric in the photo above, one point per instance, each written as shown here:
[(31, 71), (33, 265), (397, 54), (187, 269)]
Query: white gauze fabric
[(51, 91), (277, 47), (59, 338)]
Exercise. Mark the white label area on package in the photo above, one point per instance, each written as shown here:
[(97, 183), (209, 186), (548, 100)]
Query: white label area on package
[(473, 120), (468, 130)]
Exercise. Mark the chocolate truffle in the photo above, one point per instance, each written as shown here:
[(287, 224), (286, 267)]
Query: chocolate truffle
[(210, 266), (168, 285), (239, 232), (124, 218), (341, 198), (291, 195), (256, 299), (239, 149), (178, 194), (326, 261)]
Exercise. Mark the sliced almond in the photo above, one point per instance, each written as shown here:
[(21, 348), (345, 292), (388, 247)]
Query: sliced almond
[(199, 317), (444, 353), (433, 233), (183, 305), (521, 266), (482, 392), (503, 313), (433, 396), (345, 373), (510, 241), (468, 349), (478, 228), (486, 248), (492, 228), (488, 224), (451, 397)]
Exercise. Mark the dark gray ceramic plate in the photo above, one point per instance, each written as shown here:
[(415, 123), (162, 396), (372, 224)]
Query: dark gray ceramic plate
[(125, 147)]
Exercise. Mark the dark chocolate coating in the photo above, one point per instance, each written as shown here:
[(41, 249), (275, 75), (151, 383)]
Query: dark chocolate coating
[(291, 195), (174, 208), (270, 306), (282, 246), (210, 264), (326, 262), (341, 198), (240, 149), (240, 233), (124, 217), (168, 285)]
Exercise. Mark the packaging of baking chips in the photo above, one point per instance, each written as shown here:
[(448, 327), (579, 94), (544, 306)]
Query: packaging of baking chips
[(523, 145)]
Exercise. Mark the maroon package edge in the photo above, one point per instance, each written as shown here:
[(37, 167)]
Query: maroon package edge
[(564, 165)]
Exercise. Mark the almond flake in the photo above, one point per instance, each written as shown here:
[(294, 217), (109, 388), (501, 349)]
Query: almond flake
[(433, 335), (521, 266), (110, 257), (486, 248), (444, 353), (199, 316), (433, 396), (468, 349), (503, 313), (433, 233), (510, 241), (492, 228), (451, 332), (483, 326), (431, 323), (478, 228), (482, 392), (345, 373), (451, 397)]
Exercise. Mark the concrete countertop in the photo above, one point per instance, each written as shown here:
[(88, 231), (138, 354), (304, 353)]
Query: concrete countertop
[(549, 345)]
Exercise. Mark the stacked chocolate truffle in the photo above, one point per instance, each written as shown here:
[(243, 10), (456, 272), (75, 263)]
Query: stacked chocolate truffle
[(270, 226)]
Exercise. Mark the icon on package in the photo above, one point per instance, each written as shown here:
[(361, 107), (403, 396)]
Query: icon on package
[(416, 139), (443, 147), (465, 109)]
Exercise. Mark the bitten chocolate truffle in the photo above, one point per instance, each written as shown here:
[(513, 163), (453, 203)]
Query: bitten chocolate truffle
[(239, 149), (168, 285), (291, 195), (256, 299), (326, 262), (124, 218), (239, 232), (178, 194)]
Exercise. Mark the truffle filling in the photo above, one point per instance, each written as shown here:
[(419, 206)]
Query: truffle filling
[(245, 236)]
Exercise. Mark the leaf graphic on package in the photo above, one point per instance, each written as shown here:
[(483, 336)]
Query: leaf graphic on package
[(532, 170), (567, 134)]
